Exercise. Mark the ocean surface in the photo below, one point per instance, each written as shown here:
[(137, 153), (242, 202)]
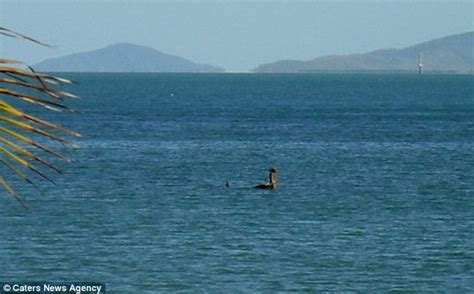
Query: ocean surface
[(375, 191)]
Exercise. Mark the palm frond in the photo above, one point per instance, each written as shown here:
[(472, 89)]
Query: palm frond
[(19, 83), (13, 34)]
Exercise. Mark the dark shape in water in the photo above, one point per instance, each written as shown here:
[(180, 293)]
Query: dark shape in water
[(272, 183)]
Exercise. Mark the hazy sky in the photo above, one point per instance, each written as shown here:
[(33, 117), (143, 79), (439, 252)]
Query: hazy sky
[(236, 35)]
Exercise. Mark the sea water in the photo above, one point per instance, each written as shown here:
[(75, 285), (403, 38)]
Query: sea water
[(375, 190)]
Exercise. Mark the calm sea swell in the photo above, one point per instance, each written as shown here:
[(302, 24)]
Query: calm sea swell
[(375, 192)]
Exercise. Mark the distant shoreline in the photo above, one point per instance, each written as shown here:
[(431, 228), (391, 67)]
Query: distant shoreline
[(448, 55)]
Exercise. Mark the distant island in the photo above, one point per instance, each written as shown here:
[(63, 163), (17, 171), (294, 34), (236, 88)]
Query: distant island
[(123, 57), (451, 54)]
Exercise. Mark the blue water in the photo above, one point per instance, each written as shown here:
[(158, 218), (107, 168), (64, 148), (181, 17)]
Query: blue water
[(376, 186)]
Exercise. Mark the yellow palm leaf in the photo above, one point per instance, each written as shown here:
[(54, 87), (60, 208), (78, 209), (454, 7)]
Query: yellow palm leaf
[(22, 83)]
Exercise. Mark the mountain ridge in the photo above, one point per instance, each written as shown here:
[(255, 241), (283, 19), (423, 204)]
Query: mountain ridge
[(123, 57), (452, 53)]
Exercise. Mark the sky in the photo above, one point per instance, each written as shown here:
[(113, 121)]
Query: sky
[(235, 35)]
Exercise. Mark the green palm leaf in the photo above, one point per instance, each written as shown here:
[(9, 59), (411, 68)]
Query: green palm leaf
[(18, 148)]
